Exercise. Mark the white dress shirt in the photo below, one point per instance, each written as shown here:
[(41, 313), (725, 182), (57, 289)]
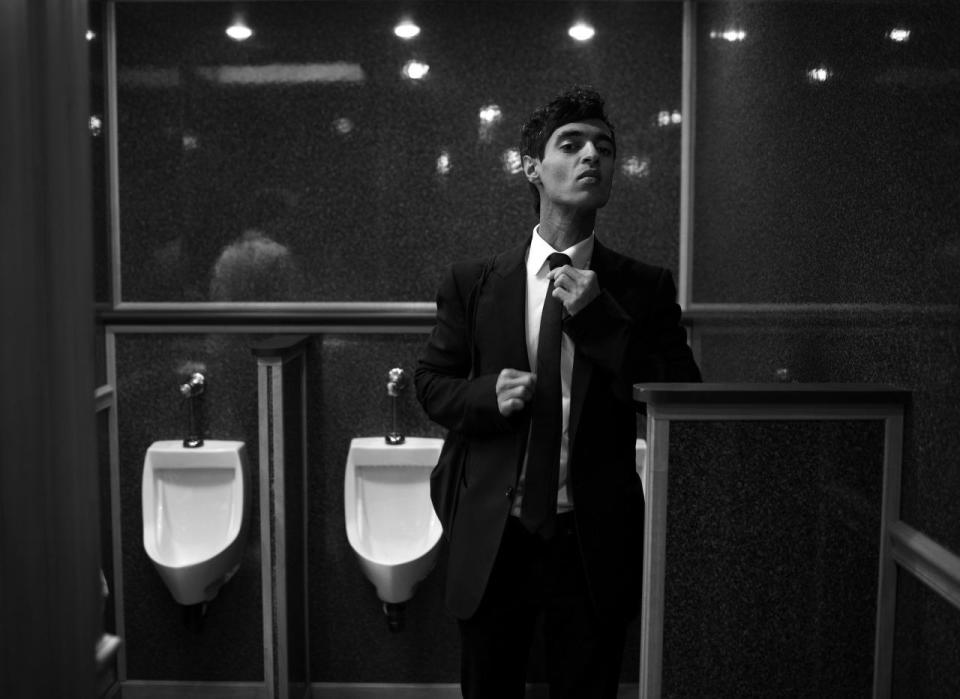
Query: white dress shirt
[(537, 283)]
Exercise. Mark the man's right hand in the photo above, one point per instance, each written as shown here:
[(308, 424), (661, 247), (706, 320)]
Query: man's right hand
[(514, 390)]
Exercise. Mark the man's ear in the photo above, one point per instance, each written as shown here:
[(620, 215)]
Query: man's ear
[(531, 168)]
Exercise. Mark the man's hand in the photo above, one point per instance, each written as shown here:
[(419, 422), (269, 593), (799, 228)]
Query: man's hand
[(514, 390), (575, 288)]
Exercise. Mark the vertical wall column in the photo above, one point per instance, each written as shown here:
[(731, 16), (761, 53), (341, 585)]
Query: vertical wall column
[(281, 373)]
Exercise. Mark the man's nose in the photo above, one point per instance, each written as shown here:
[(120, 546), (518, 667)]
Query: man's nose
[(590, 152)]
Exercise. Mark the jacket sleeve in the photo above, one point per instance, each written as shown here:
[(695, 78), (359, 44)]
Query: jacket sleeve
[(651, 347), (672, 357), (446, 389)]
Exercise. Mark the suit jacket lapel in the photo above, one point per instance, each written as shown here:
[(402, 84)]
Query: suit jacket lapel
[(504, 308)]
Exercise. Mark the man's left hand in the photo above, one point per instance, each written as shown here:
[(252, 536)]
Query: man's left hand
[(575, 288)]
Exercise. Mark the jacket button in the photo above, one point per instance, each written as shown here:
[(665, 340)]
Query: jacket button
[(509, 492)]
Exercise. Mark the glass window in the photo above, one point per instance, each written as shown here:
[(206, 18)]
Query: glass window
[(827, 144), (343, 151)]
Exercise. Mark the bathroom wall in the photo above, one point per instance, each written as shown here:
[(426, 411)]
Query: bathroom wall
[(824, 240)]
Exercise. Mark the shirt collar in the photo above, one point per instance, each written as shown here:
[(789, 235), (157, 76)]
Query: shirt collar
[(540, 250)]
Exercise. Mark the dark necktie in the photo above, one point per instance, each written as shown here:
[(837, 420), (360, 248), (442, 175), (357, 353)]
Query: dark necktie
[(539, 508)]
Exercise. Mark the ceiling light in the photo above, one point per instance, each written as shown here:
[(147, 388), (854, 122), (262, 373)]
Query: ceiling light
[(406, 29), (581, 31), (238, 31)]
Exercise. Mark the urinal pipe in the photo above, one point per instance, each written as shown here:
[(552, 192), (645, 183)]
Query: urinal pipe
[(397, 380), (191, 390)]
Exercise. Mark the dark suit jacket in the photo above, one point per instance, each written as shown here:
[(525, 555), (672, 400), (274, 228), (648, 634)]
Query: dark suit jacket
[(630, 334)]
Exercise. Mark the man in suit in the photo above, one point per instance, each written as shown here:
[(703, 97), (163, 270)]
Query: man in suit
[(549, 517)]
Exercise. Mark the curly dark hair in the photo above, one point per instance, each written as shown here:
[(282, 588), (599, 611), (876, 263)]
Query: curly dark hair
[(577, 103)]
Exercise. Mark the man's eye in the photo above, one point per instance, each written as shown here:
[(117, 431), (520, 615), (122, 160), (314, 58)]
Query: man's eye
[(568, 146)]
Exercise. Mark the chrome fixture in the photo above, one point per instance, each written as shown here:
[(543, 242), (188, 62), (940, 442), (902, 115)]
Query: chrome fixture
[(397, 381), (190, 391), (193, 387)]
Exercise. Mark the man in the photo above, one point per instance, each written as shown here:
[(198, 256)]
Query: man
[(549, 519)]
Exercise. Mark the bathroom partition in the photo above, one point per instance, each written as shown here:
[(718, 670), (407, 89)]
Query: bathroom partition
[(281, 372), (772, 529)]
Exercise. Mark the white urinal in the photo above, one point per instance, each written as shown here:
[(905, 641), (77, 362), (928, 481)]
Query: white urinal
[(194, 515), (391, 524)]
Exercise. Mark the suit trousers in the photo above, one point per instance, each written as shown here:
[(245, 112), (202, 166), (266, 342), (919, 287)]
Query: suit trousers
[(535, 579)]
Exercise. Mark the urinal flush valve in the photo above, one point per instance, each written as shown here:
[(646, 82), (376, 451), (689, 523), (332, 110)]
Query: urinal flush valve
[(190, 391), (193, 387), (397, 381)]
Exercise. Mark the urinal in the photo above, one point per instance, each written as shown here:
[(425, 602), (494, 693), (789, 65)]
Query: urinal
[(391, 525), (194, 515)]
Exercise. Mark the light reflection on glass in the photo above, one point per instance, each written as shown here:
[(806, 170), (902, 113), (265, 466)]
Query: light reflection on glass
[(581, 31), (443, 163), (96, 125), (636, 167), (343, 126), (490, 115), (666, 117), (190, 141), (820, 74), (899, 34), (512, 162), (239, 31), (406, 29), (91, 35), (731, 34), (415, 70)]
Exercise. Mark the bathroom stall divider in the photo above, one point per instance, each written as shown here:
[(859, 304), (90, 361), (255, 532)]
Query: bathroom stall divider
[(282, 418), (802, 548)]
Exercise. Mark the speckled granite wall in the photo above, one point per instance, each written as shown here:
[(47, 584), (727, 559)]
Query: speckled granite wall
[(771, 558), (826, 153), (159, 644), (381, 173), (926, 642), (913, 352)]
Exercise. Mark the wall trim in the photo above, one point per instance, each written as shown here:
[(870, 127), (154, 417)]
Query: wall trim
[(161, 689), (156, 689)]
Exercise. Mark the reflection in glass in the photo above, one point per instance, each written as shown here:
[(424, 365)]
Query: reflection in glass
[(512, 162), (406, 30), (239, 31), (443, 163), (732, 34), (899, 35), (420, 163), (635, 166), (820, 74), (581, 31), (415, 70), (826, 154)]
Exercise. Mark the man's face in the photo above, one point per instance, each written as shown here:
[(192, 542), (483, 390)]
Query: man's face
[(576, 171)]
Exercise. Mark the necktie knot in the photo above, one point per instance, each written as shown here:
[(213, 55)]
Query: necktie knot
[(558, 259)]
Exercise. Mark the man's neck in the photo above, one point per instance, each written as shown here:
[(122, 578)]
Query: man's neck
[(564, 231)]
